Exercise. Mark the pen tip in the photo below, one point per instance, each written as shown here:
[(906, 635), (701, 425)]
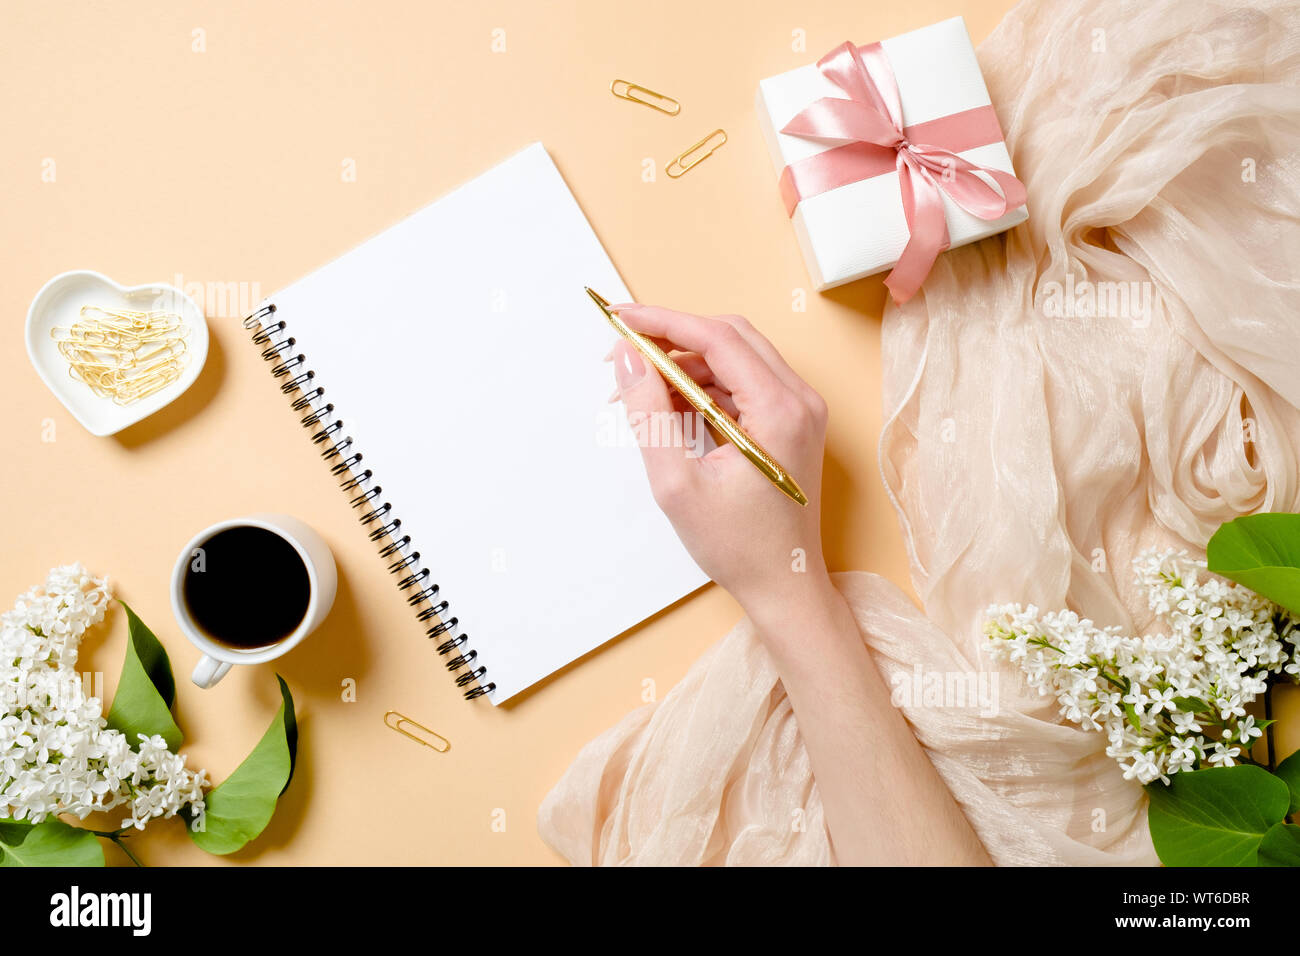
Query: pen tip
[(596, 297)]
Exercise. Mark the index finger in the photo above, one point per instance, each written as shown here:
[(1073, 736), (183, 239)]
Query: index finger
[(736, 364)]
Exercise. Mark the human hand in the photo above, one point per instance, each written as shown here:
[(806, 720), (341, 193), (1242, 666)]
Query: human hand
[(742, 531), (884, 801)]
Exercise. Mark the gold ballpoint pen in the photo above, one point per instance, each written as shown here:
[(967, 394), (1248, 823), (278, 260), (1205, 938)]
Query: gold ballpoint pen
[(703, 403)]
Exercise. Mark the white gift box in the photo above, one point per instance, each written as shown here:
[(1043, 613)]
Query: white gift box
[(860, 229)]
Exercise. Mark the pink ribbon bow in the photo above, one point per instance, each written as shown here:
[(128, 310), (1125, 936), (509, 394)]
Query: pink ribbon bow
[(870, 122)]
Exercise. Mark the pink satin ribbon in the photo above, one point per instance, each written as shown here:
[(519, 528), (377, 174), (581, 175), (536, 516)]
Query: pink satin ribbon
[(870, 122)]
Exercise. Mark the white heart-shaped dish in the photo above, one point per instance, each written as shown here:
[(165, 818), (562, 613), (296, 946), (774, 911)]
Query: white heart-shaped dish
[(59, 303)]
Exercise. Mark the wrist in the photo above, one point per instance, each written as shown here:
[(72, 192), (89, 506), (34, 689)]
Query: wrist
[(811, 629), (801, 599)]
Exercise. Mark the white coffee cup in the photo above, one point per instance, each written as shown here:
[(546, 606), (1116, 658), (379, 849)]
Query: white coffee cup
[(322, 578)]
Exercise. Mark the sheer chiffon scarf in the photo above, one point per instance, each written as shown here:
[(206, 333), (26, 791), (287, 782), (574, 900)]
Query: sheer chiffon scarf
[(1033, 443)]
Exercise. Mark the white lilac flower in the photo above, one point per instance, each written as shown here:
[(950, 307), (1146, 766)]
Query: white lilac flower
[(1168, 701), (1185, 722), (1247, 731), (1224, 755), (57, 753), (1163, 700), (1182, 753)]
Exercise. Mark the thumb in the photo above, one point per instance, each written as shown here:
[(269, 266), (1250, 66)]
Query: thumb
[(653, 420)]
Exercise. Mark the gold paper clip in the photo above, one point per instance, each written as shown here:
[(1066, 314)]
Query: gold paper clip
[(683, 165), (403, 719), (656, 101)]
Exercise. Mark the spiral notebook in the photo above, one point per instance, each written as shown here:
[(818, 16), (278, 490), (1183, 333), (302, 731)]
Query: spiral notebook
[(449, 375)]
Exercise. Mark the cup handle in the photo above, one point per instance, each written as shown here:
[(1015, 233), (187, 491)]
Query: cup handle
[(209, 670)]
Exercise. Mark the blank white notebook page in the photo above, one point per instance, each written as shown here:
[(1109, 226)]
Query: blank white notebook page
[(465, 361)]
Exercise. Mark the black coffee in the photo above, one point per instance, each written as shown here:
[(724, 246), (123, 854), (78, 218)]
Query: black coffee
[(247, 587)]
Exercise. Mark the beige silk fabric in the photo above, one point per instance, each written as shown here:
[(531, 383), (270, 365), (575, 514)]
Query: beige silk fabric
[(1044, 424)]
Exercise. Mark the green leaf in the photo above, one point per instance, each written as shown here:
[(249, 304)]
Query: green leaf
[(241, 807), (1215, 817), (1280, 846), (1263, 553), (1191, 705), (142, 704), (48, 843), (290, 729), (1131, 712), (1289, 773)]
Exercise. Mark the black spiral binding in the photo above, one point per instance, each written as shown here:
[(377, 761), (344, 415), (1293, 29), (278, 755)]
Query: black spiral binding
[(385, 529)]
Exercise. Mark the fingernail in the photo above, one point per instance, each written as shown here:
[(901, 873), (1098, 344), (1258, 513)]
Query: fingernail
[(614, 397), (609, 356), (628, 367)]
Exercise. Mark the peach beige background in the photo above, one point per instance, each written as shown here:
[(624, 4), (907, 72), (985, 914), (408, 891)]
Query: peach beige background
[(209, 141)]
